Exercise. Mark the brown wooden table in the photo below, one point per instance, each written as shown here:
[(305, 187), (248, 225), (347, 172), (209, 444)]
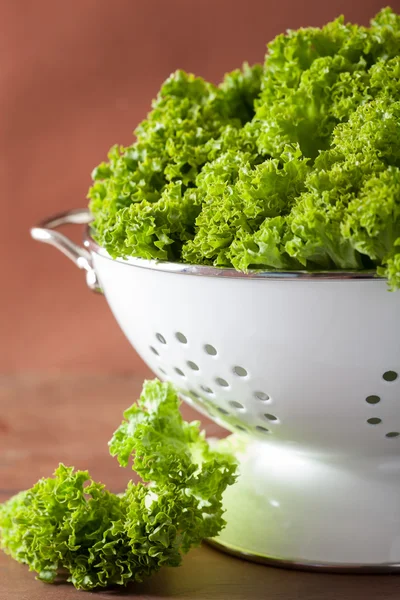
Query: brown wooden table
[(46, 419)]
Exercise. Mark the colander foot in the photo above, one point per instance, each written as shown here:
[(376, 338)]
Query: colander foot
[(282, 563), (297, 509)]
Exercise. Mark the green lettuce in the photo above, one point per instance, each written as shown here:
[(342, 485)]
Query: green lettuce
[(289, 165), (315, 78), (142, 199), (70, 524)]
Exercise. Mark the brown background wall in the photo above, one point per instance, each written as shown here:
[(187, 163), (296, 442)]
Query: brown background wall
[(76, 77)]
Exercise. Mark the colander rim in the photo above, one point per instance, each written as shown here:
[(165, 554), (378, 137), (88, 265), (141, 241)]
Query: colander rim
[(210, 271)]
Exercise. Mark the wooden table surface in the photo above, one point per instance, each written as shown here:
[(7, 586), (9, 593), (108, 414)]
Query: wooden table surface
[(46, 419)]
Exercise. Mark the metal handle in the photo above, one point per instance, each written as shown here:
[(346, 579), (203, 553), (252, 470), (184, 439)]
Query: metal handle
[(45, 232)]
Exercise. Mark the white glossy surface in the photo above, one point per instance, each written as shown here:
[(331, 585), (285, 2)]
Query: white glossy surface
[(300, 507), (322, 484), (318, 349)]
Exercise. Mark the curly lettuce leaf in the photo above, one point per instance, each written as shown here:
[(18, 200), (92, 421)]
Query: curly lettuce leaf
[(241, 87), (372, 221), (71, 524), (238, 197), (172, 145), (276, 168), (350, 206), (315, 78)]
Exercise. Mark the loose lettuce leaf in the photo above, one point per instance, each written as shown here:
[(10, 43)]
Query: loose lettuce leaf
[(70, 524)]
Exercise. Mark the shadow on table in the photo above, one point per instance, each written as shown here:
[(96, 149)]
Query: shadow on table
[(210, 575), (207, 574)]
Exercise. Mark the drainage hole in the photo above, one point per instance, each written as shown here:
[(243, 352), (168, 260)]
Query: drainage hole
[(372, 399), (270, 417), (206, 389), (210, 350), (181, 338), (240, 371), (262, 429), (390, 376), (235, 404), (192, 365), (241, 428), (261, 396)]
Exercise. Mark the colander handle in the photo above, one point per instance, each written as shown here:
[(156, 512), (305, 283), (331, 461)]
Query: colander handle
[(45, 232)]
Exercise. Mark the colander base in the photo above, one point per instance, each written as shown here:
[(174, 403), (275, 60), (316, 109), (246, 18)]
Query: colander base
[(282, 563), (298, 508)]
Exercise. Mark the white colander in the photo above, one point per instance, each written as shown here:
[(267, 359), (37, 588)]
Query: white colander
[(302, 368)]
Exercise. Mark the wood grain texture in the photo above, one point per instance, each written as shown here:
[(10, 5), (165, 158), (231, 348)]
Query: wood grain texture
[(209, 575), (49, 419), (45, 419)]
